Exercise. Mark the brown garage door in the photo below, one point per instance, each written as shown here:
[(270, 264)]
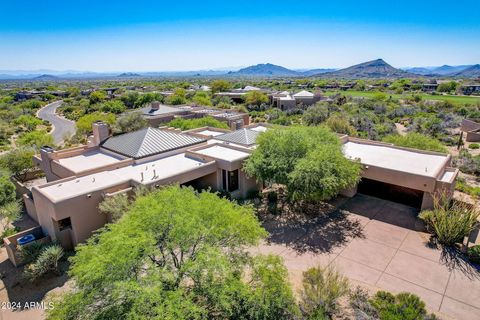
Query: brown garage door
[(382, 190)]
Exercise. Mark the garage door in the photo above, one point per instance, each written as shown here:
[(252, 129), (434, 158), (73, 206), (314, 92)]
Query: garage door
[(382, 190)]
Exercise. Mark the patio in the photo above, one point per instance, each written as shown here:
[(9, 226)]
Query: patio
[(380, 245)]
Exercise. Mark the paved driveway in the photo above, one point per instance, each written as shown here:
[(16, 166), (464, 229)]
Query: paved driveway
[(380, 245), (62, 127)]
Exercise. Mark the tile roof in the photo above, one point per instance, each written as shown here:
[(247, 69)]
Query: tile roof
[(243, 136), (149, 141)]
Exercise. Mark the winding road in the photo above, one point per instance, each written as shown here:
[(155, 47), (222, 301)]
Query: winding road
[(61, 128)]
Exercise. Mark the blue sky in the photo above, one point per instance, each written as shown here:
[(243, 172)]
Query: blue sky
[(191, 35)]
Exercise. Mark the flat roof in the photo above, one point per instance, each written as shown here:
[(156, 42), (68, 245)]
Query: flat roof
[(162, 109), (259, 128), (210, 133), (152, 171), (223, 153), (395, 159), (88, 160)]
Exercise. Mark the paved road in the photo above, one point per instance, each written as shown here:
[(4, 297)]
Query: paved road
[(61, 127)]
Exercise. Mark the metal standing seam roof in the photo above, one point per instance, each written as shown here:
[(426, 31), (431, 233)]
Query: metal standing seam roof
[(242, 136), (149, 141)]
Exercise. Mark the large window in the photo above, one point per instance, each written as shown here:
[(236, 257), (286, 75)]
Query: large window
[(230, 180)]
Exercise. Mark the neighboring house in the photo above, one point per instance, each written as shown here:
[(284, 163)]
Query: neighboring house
[(470, 89), (429, 87), (66, 207), (238, 95), (472, 129), (157, 114), (286, 101)]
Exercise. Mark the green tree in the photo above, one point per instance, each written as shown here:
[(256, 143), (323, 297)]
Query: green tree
[(147, 98), (220, 86), (115, 206), (18, 162), (450, 86), (202, 98), (84, 124), (130, 99), (255, 98), (322, 173), (178, 97), (177, 254), (187, 124), (114, 106), (284, 155), (129, 122), (97, 96), (416, 141), (28, 122), (35, 139)]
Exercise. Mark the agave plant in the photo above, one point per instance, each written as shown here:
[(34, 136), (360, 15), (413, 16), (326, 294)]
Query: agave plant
[(47, 261), (449, 221)]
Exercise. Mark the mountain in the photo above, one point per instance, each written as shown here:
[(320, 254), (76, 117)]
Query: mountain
[(46, 77), (470, 72), (308, 73), (264, 70), (370, 69), (419, 70), (129, 75)]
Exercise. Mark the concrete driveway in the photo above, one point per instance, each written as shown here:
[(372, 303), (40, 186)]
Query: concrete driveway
[(61, 127), (379, 245)]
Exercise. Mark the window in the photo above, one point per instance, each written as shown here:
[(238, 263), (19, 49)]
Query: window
[(64, 224), (230, 180)]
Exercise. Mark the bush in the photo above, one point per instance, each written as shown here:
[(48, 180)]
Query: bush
[(322, 287), (46, 262), (359, 301), (474, 254), (8, 232), (7, 190), (129, 122), (450, 222), (403, 306), (187, 124), (416, 141), (474, 146)]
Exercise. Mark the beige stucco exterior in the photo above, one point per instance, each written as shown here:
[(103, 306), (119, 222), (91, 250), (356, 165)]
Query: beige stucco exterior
[(66, 207)]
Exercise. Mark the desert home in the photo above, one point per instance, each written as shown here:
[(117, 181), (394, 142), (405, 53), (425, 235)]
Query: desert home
[(78, 179)]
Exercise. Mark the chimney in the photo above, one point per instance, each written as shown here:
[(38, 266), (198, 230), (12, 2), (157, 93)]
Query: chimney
[(155, 105), (100, 132), (45, 155)]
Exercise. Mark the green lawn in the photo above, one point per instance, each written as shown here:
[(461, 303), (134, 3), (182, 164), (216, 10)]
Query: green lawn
[(371, 94)]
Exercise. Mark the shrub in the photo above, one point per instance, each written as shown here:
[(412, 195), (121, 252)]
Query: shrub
[(340, 124), (474, 146), (10, 212), (403, 306), (129, 122), (18, 161), (187, 124), (46, 262), (416, 141), (474, 254), (322, 287), (450, 222), (7, 190), (8, 232), (359, 301)]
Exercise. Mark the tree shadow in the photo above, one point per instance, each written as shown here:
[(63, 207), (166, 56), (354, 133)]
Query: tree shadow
[(323, 233)]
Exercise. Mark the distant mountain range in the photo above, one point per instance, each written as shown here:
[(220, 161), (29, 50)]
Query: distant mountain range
[(444, 70), (375, 69), (371, 70)]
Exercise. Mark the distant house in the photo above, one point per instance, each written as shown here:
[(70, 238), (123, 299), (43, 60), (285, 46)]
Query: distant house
[(470, 89), (157, 114), (286, 101), (429, 87)]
